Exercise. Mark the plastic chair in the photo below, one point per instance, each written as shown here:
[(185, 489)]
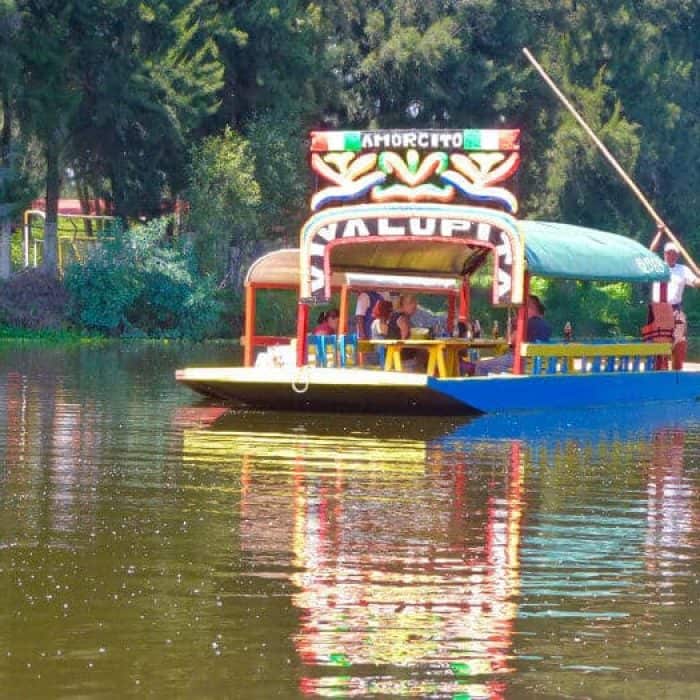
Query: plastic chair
[(326, 347), (347, 350)]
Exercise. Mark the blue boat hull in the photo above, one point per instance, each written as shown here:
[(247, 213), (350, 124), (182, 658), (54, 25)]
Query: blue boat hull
[(547, 392), (396, 393)]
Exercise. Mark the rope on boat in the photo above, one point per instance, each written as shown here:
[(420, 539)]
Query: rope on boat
[(302, 376)]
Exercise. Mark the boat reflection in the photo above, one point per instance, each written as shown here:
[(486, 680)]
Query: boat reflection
[(406, 554), (672, 514), (403, 554)]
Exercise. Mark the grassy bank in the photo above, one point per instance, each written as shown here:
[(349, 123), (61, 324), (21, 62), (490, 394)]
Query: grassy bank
[(72, 337), (48, 336)]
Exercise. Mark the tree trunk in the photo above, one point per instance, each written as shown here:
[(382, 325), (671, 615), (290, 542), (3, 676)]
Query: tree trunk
[(53, 188), (82, 189), (5, 244), (6, 132), (5, 220)]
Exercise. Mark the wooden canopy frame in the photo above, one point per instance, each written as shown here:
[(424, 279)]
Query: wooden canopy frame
[(280, 270)]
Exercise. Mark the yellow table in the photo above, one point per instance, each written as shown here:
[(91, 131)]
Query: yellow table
[(443, 353)]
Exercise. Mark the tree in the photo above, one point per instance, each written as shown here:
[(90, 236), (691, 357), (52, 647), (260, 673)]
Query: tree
[(639, 62), (49, 97), (224, 199), (277, 144), (149, 77), (9, 25), (274, 58)]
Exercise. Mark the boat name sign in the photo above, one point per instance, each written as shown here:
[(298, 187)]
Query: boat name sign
[(329, 229)]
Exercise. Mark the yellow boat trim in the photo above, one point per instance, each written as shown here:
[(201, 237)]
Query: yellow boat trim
[(601, 350)]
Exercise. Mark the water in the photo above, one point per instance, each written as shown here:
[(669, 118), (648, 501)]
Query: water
[(150, 545)]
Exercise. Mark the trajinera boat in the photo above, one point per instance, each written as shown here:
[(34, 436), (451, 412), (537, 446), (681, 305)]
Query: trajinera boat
[(423, 211)]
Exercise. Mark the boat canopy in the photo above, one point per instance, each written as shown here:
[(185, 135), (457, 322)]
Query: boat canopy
[(280, 268), (574, 252), (551, 250)]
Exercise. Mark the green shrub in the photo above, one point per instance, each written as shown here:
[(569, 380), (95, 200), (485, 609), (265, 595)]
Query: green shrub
[(594, 309), (141, 283)]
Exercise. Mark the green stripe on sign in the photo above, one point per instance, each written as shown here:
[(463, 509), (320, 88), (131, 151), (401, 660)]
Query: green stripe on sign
[(472, 140), (353, 141)]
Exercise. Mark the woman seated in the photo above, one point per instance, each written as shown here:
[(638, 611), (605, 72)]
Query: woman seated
[(399, 323), (327, 323), (399, 328), (381, 313)]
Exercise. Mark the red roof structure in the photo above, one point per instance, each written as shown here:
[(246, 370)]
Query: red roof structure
[(73, 206)]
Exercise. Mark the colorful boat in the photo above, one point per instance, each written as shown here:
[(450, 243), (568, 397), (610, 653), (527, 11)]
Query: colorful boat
[(424, 211)]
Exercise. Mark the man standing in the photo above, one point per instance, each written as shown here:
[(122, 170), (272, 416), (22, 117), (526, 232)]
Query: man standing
[(680, 277)]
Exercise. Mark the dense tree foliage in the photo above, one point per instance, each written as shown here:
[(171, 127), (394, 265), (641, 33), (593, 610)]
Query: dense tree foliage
[(136, 98)]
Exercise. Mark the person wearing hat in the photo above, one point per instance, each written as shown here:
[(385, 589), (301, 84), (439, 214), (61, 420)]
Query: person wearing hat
[(681, 276)]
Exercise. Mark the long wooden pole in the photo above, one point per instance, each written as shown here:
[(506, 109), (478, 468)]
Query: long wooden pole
[(661, 225)]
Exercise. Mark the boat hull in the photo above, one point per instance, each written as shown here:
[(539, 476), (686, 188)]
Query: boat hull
[(320, 389), (357, 390)]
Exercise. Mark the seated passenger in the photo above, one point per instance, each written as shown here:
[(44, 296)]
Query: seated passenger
[(538, 330), (380, 325), (364, 308), (399, 328), (399, 324), (327, 323)]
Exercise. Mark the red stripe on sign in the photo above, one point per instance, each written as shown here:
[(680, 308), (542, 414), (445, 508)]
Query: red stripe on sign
[(509, 140), (319, 142)]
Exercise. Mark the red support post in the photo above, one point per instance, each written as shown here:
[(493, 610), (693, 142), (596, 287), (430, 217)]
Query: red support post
[(464, 301), (451, 304), (302, 330), (521, 328), (343, 320), (249, 332)]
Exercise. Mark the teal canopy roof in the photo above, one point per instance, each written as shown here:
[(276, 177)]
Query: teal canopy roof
[(575, 252)]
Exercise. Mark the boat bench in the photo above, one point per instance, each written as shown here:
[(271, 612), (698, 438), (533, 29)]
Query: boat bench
[(586, 358)]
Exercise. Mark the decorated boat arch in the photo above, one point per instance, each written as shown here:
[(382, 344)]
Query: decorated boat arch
[(424, 210)]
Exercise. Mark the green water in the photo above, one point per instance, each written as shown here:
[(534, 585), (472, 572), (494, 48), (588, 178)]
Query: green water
[(152, 545)]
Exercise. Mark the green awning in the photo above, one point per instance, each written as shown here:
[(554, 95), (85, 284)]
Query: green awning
[(575, 252)]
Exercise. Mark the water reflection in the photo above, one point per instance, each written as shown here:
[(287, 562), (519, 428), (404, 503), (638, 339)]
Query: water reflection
[(672, 509), (406, 577), (407, 556), (150, 544)]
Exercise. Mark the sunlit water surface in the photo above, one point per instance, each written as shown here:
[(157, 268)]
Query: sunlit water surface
[(151, 544)]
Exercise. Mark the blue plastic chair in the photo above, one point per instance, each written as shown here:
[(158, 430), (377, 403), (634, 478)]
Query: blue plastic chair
[(326, 350), (347, 349)]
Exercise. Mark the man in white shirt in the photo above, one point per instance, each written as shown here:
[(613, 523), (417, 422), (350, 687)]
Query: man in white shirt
[(681, 276)]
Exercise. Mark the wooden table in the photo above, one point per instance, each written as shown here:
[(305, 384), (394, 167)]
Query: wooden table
[(443, 353)]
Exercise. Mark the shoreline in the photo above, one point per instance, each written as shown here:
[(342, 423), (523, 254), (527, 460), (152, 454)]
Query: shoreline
[(10, 335)]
